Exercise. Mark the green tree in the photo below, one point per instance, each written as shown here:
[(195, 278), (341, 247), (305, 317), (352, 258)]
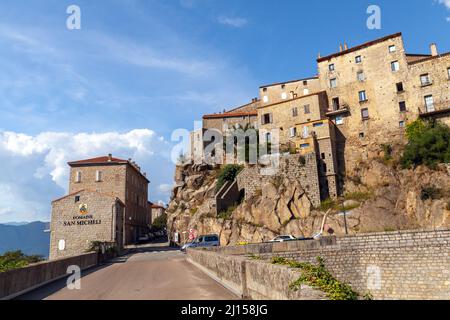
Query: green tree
[(228, 172), (428, 144), (160, 222), (17, 259)]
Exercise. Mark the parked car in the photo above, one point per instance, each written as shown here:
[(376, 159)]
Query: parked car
[(283, 238), (144, 238), (210, 240)]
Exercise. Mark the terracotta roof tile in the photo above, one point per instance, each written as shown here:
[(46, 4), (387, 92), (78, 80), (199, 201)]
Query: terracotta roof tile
[(98, 160)]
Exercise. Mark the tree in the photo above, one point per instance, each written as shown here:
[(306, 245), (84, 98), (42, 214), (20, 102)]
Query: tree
[(17, 259), (228, 172), (160, 222), (428, 144)]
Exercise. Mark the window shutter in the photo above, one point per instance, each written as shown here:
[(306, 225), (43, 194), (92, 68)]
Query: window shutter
[(270, 118)]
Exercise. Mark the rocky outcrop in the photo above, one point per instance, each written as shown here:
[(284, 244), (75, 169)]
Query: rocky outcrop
[(381, 197)]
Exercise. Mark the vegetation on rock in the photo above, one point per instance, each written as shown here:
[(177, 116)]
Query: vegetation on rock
[(428, 144), (227, 173), (17, 259)]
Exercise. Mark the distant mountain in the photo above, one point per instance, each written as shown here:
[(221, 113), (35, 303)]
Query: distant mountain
[(30, 238)]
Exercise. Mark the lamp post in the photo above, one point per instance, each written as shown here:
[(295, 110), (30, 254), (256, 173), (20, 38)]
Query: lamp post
[(345, 215)]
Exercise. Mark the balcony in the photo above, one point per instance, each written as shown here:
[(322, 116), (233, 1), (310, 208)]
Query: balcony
[(437, 109), (338, 111)]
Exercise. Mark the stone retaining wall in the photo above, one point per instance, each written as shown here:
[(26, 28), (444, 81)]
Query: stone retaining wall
[(19, 281), (388, 265), (257, 280)]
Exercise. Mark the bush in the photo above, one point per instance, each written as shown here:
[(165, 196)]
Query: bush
[(327, 204), (358, 196), (387, 150), (17, 259), (226, 215), (317, 276), (428, 144), (160, 223), (430, 192), (228, 172)]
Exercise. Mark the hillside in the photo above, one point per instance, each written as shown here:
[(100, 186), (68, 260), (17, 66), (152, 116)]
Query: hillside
[(30, 238)]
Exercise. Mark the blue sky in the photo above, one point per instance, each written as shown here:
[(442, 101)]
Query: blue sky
[(138, 69)]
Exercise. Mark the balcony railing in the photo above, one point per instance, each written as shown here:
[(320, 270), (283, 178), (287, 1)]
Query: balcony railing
[(338, 111), (434, 109)]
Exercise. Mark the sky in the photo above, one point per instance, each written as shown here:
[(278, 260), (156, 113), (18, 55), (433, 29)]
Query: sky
[(139, 69)]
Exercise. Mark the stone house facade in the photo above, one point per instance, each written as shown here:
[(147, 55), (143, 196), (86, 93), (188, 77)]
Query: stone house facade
[(122, 179), (83, 217), (367, 93)]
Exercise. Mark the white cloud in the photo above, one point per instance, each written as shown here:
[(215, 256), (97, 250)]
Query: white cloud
[(445, 3), (235, 22), (165, 188), (35, 170), (448, 19)]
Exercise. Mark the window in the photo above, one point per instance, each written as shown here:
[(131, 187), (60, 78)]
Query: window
[(305, 82), (358, 59), (392, 48), (268, 137), (318, 124), (304, 145), (400, 87), (264, 89), (324, 167), (361, 135), (395, 66), (293, 132), (77, 199), (98, 176), (429, 103), (339, 120), (307, 110), (305, 132), (284, 96), (401, 124), (362, 96), (365, 114), (266, 118), (331, 67), (402, 106), (294, 112), (322, 156), (361, 76), (265, 99), (283, 86), (335, 103), (333, 83), (305, 91), (448, 73), (425, 79), (78, 177)]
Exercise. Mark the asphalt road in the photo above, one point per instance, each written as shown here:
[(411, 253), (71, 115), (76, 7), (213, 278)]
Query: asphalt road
[(155, 272)]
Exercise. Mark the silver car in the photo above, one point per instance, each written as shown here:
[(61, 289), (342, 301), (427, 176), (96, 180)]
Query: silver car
[(210, 240)]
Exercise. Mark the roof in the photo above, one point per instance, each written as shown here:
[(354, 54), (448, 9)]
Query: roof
[(290, 81), (427, 58), (90, 191), (98, 160), (293, 99), (255, 102), (155, 206), (230, 115), (361, 46)]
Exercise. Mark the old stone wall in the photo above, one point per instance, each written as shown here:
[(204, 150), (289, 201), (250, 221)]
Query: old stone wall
[(252, 178), (389, 265), (101, 222), (257, 280)]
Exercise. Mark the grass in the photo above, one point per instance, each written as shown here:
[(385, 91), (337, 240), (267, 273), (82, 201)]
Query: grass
[(226, 215)]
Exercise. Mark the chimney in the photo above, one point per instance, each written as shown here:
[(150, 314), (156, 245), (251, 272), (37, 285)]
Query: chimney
[(109, 157), (319, 56), (434, 50), (340, 47), (345, 46)]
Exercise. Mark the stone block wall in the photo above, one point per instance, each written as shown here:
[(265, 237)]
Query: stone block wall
[(394, 265), (252, 178)]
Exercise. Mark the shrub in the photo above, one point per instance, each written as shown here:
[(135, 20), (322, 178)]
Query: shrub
[(317, 276), (430, 192), (387, 150), (428, 144), (227, 173), (226, 215), (160, 223), (17, 259), (358, 196), (327, 204)]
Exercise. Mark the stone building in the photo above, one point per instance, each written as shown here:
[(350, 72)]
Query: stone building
[(156, 211), (363, 94), (82, 218), (120, 178)]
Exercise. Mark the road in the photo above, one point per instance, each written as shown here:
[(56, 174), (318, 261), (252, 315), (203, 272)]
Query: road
[(154, 272)]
